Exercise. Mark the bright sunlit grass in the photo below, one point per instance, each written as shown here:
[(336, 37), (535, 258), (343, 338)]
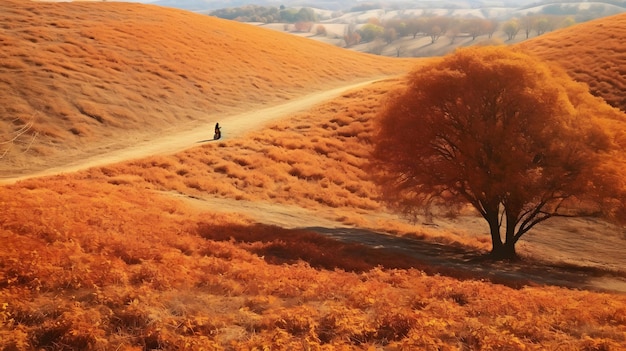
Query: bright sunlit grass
[(101, 259), (122, 268), (109, 259), (577, 50), (84, 72)]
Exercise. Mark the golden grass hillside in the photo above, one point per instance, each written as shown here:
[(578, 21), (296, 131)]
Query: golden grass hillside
[(127, 257), (593, 52), (86, 76), (315, 160), (107, 259)]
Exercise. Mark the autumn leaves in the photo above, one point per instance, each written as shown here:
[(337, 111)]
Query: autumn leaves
[(499, 130)]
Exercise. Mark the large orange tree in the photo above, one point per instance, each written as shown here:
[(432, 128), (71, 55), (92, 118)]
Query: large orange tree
[(499, 130)]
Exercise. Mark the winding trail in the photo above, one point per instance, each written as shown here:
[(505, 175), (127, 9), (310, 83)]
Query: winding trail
[(585, 248), (190, 135)]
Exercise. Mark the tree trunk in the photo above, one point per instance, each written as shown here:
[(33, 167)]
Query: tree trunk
[(500, 250), (504, 251), (494, 228)]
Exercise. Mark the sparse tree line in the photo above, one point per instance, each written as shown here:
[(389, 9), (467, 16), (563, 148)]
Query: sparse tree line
[(553, 16), (263, 14), (271, 14), (386, 32), (436, 27), (534, 23)]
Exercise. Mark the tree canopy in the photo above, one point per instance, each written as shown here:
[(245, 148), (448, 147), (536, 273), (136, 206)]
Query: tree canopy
[(504, 132)]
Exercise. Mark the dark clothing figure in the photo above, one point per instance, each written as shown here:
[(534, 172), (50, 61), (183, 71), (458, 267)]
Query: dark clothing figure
[(218, 133)]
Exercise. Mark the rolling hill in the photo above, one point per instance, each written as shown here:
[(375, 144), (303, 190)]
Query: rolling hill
[(337, 5), (182, 252), (591, 52), (87, 76)]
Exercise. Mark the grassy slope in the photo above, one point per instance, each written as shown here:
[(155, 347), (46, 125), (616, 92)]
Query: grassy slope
[(100, 260), (593, 52), (92, 74)]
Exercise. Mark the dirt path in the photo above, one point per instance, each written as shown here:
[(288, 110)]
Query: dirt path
[(233, 126), (572, 242)]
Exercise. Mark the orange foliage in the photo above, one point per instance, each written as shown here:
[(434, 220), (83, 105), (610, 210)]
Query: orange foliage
[(109, 258), (133, 272), (99, 260), (278, 246), (497, 129), (122, 268), (306, 160), (302, 161)]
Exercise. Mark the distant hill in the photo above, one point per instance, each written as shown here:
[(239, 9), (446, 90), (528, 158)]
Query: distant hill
[(78, 77), (352, 12), (341, 5), (593, 52), (83, 75), (400, 21)]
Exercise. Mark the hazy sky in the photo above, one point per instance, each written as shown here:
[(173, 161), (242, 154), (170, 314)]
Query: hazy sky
[(336, 4)]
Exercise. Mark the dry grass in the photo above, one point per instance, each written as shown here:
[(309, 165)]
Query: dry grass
[(101, 260), (578, 50), (96, 75), (318, 156), (122, 268), (315, 159)]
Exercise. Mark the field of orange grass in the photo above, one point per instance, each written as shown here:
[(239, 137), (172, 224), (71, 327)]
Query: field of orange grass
[(134, 256), (593, 52), (315, 160), (88, 77), (108, 259), (94, 265)]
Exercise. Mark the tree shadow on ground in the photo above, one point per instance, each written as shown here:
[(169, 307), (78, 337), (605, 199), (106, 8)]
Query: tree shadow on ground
[(287, 246), (465, 263), (360, 250)]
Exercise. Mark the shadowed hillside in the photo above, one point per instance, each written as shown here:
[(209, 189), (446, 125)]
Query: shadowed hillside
[(592, 52), (82, 76)]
